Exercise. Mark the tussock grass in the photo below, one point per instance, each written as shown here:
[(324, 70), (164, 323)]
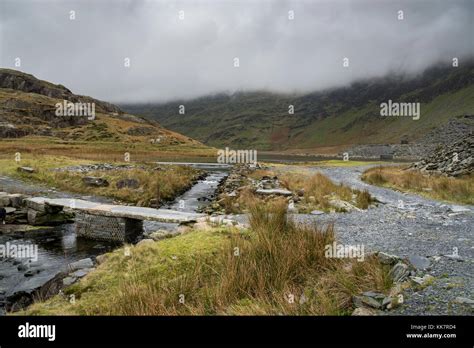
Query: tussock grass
[(276, 267), (458, 190), (162, 185), (319, 189)]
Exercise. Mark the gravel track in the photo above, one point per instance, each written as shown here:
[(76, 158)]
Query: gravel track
[(420, 227)]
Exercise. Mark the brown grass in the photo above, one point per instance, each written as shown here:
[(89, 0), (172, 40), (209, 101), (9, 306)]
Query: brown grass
[(318, 190), (255, 272), (458, 190)]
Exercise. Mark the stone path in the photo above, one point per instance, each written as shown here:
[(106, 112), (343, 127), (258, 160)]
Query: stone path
[(416, 228)]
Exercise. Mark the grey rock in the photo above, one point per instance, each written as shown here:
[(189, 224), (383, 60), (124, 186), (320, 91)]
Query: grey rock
[(145, 241), (365, 301), (399, 272), (80, 273), (69, 280), (317, 212), (387, 259), (84, 263), (95, 181), (27, 170), (279, 192), (419, 262)]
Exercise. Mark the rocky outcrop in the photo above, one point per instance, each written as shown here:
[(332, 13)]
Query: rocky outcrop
[(452, 160), (19, 81)]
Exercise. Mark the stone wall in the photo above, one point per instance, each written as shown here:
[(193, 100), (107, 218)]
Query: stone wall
[(112, 229)]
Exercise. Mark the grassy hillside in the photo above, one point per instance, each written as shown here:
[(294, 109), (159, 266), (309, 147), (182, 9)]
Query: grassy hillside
[(29, 124), (349, 115)]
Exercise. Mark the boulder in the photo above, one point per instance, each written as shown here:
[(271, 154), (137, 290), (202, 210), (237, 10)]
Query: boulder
[(83, 263), (419, 262), (342, 205), (399, 272), (387, 259), (95, 181), (27, 170)]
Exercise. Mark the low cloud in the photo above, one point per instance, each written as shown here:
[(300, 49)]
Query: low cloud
[(173, 58)]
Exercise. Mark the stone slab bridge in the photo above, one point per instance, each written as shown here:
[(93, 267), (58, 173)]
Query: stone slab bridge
[(117, 223)]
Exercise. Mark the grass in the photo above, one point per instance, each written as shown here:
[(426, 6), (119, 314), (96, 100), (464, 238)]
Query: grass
[(104, 151), (320, 190), (456, 190), (162, 185), (225, 271)]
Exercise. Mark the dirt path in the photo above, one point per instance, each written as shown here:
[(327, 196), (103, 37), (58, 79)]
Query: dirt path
[(417, 227)]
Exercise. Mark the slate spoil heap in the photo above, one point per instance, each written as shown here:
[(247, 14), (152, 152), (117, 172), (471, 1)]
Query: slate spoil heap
[(452, 160)]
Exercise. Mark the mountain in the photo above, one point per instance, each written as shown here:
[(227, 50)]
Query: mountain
[(341, 116), (28, 108)]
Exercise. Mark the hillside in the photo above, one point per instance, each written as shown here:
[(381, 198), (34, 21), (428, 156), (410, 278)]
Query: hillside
[(342, 116), (27, 109)]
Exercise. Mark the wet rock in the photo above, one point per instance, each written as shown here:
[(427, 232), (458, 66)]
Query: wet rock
[(95, 181), (22, 267), (31, 272), (84, 263)]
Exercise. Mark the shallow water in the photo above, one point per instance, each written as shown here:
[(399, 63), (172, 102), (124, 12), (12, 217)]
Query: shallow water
[(59, 246), (49, 252)]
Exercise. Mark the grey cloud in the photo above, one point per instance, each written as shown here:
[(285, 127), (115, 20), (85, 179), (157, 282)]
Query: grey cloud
[(172, 58)]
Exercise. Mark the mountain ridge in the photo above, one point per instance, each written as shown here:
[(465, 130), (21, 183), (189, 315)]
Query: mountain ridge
[(346, 115)]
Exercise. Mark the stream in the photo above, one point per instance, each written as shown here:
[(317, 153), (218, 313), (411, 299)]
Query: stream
[(55, 247)]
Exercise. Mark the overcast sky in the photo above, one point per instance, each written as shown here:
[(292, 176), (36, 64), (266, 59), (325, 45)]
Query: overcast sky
[(173, 58)]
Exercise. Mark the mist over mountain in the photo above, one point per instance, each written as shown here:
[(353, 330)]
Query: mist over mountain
[(188, 49), (338, 116)]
